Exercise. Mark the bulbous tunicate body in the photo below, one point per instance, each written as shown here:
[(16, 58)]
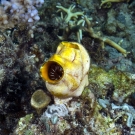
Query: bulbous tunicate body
[(66, 71)]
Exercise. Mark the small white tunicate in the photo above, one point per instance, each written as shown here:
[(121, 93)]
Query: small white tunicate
[(130, 119), (54, 119), (26, 16), (103, 102), (29, 11), (5, 22), (22, 15), (20, 7), (15, 6), (30, 20), (11, 11), (34, 12), (36, 17)]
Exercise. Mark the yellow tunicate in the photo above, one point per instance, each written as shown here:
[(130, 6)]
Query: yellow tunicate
[(65, 73)]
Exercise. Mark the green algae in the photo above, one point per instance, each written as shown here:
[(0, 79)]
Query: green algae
[(122, 83), (23, 124)]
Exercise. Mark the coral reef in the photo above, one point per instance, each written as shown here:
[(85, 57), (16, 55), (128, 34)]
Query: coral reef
[(77, 27), (19, 55), (30, 32), (129, 111), (16, 11)]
